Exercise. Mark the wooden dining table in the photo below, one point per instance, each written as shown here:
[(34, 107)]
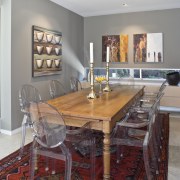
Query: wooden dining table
[(103, 112)]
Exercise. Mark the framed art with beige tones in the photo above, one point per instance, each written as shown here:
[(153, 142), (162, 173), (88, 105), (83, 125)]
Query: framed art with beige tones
[(46, 52), (118, 47), (148, 47)]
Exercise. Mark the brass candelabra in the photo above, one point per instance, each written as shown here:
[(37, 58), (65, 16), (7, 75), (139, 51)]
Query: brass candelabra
[(92, 94), (107, 87)]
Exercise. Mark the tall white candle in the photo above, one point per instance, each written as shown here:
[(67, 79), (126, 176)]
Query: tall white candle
[(91, 53), (107, 54)]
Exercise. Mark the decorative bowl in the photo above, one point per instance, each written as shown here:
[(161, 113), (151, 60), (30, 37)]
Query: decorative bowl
[(49, 37), (39, 63), (39, 36), (57, 63), (39, 49), (48, 50), (49, 63), (57, 39), (173, 78), (57, 50)]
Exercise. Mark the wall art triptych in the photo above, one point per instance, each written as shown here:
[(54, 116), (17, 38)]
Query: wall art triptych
[(46, 52), (118, 48)]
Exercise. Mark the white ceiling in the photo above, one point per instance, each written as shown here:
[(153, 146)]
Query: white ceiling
[(103, 7)]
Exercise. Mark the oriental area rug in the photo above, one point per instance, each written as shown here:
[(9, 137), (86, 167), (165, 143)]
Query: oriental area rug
[(131, 166)]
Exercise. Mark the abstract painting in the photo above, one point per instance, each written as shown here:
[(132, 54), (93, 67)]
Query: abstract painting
[(46, 52), (118, 48), (148, 47)]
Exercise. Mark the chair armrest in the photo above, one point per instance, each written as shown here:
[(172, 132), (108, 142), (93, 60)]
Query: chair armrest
[(134, 125)]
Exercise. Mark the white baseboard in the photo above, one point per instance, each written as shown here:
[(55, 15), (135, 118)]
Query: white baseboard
[(10, 133)]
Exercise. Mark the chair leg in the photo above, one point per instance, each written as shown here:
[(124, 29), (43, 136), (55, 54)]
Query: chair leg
[(23, 135), (68, 163), (93, 158), (33, 161)]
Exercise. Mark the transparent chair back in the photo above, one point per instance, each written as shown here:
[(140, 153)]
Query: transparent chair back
[(75, 84), (27, 94), (154, 95), (163, 85), (56, 89), (49, 133)]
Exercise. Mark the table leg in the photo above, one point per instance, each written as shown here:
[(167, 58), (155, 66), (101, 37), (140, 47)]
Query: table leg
[(106, 156)]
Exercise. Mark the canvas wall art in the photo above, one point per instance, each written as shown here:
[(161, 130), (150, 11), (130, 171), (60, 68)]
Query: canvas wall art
[(118, 47), (148, 47), (46, 52)]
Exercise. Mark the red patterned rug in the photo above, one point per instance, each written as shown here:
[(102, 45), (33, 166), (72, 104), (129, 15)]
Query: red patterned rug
[(131, 166)]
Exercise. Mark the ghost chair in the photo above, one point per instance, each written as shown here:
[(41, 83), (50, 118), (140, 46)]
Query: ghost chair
[(56, 89), (75, 84), (146, 142), (27, 94), (77, 139), (49, 133), (136, 119)]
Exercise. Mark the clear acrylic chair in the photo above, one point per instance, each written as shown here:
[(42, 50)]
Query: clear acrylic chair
[(121, 137), (75, 84), (56, 89), (49, 132), (79, 139), (135, 119), (27, 94)]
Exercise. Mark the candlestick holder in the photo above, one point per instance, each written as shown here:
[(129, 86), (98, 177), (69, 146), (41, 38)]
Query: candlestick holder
[(107, 87), (92, 94)]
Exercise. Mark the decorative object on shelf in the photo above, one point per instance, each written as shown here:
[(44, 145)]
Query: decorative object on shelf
[(92, 94), (118, 45), (57, 62), (148, 47), (39, 49), (173, 78), (39, 63), (57, 39), (49, 63), (107, 87), (46, 52), (57, 50), (49, 37), (39, 36), (100, 79)]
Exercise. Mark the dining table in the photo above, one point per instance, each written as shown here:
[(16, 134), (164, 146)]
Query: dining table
[(103, 112)]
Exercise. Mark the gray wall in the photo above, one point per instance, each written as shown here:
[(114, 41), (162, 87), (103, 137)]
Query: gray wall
[(45, 14), (165, 21)]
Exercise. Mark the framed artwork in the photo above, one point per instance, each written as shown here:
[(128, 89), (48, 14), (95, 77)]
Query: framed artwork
[(118, 48), (148, 47), (46, 52)]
